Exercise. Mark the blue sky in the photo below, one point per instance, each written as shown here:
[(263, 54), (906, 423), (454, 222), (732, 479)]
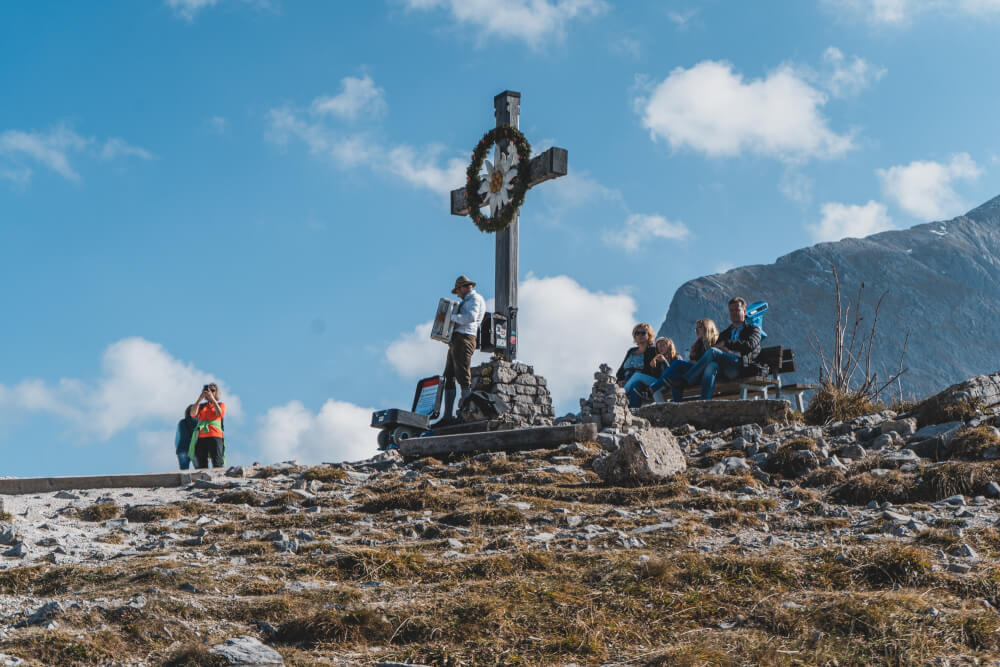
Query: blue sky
[(255, 191)]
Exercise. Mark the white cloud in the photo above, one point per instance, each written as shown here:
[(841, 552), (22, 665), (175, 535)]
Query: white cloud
[(421, 168), (796, 186), (640, 229), (629, 46), (425, 167), (115, 148), (925, 189), (848, 77), (901, 12), (681, 19), (140, 383), (53, 149), (339, 432), (187, 9), (218, 124), (527, 20), (711, 109), (356, 96), (566, 331), (843, 220)]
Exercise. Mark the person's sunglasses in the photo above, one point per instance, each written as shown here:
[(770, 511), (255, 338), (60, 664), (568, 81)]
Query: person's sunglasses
[(638, 333)]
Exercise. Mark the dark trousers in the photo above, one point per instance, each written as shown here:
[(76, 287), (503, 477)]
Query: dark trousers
[(207, 448), (457, 367)]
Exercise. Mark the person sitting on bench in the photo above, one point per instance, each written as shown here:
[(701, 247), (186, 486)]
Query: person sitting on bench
[(638, 364), (706, 334), (666, 355), (734, 353)]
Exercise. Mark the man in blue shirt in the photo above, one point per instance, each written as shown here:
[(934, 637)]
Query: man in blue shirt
[(463, 344), (734, 353)]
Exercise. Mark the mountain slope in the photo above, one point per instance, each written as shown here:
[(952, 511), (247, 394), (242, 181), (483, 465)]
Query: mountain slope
[(943, 280)]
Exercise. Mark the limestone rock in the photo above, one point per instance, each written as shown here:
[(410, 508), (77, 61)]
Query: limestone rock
[(643, 457), (246, 651), (983, 390)]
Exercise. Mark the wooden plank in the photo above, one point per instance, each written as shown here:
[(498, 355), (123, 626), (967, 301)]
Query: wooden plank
[(513, 440), (19, 485), (553, 163)]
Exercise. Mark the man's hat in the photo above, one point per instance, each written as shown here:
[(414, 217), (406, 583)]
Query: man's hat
[(462, 281)]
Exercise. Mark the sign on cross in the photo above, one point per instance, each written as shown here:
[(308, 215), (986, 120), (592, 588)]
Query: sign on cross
[(553, 163)]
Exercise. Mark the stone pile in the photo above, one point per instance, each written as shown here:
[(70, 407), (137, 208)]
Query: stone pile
[(608, 405), (525, 394)]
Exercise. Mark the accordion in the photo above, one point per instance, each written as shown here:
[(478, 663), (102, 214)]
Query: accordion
[(443, 327)]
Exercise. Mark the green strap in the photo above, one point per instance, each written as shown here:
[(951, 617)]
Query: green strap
[(203, 427)]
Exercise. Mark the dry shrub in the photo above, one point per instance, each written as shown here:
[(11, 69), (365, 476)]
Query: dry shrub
[(892, 565), (240, 497), (732, 518), (894, 487), (956, 477), (971, 443), (100, 512), (823, 477), (830, 404), (146, 513), (979, 631), (329, 625), (940, 409), (378, 563), (785, 461), (507, 564), (324, 474), (194, 655), (409, 500), (285, 498), (6, 516)]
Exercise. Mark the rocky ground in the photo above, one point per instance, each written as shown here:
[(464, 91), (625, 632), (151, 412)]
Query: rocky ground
[(871, 541)]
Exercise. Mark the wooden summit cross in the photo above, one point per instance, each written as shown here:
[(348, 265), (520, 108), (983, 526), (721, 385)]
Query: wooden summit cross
[(553, 163)]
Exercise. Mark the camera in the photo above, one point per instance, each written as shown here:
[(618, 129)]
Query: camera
[(205, 388)]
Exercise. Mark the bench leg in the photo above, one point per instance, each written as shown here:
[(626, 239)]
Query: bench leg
[(743, 393), (799, 402)]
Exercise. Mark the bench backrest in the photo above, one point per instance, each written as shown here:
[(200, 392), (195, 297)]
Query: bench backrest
[(787, 361), (772, 358)]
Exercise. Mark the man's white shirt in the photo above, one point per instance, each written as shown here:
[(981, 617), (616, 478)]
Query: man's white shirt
[(470, 314)]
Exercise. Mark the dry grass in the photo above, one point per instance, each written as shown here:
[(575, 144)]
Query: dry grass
[(938, 410), (971, 443), (830, 404), (100, 512), (324, 473), (787, 462), (860, 489), (146, 513)]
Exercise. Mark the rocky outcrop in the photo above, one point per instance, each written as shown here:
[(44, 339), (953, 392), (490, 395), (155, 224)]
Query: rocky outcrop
[(647, 456), (982, 391), (943, 280)]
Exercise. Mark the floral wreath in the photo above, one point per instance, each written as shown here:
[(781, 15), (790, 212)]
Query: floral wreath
[(505, 187)]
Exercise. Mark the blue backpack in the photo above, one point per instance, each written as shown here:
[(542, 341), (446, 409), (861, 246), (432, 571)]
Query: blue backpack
[(755, 316)]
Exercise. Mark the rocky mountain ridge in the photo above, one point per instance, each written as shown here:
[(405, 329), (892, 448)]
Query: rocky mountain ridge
[(943, 283)]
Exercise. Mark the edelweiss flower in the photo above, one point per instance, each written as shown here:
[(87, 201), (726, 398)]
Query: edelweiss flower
[(495, 189)]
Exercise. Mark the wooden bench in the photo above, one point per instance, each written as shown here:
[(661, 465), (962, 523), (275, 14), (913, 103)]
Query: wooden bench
[(779, 361)]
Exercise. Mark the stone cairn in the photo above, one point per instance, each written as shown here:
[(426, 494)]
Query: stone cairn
[(526, 394), (608, 405)]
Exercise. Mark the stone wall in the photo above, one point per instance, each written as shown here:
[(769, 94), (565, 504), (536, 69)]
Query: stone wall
[(526, 394)]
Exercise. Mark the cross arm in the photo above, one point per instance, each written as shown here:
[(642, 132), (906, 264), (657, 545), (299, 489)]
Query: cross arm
[(553, 163)]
